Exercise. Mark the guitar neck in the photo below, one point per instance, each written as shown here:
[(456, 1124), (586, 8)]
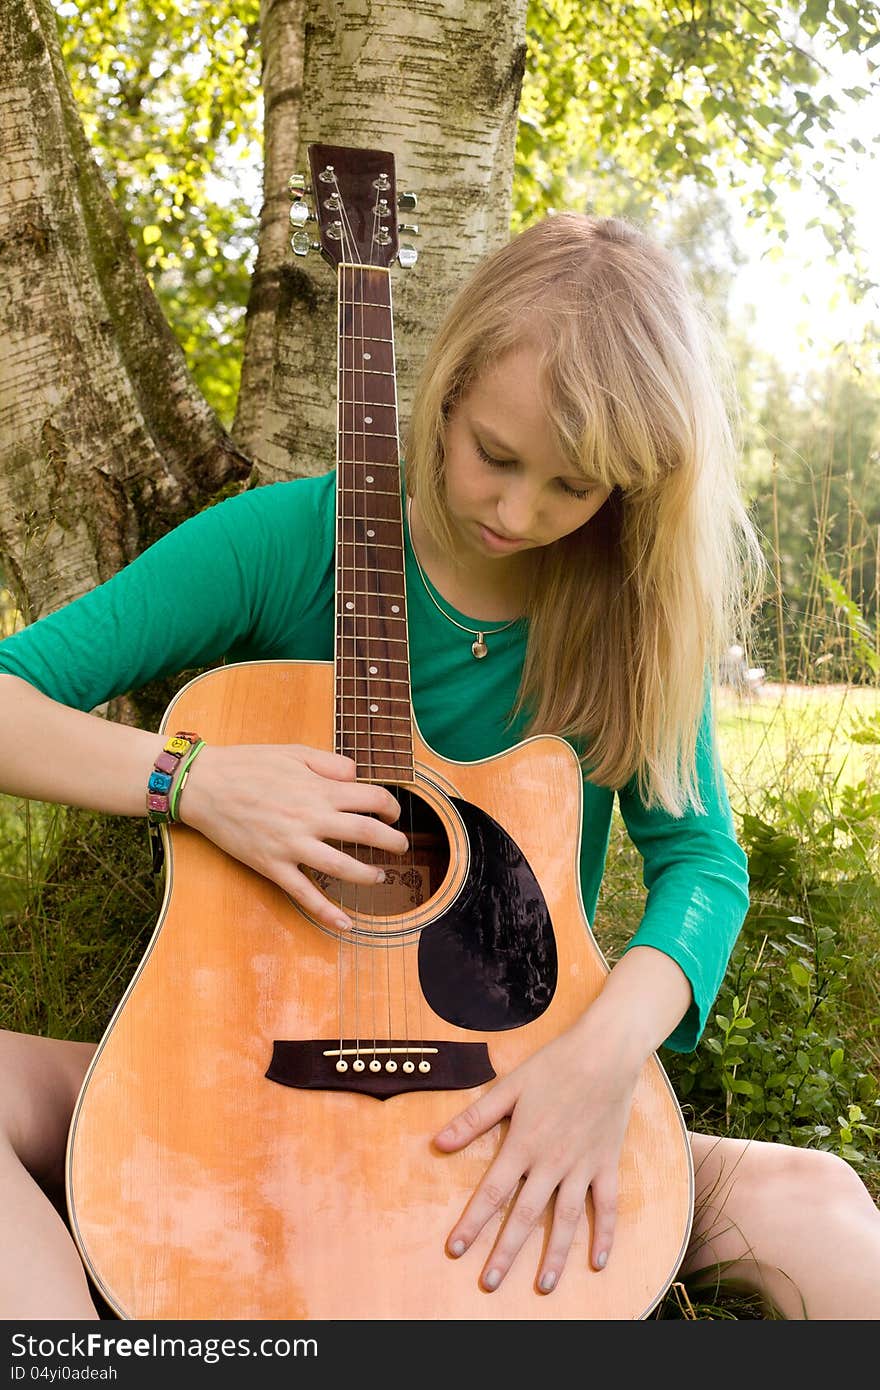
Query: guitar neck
[(373, 719)]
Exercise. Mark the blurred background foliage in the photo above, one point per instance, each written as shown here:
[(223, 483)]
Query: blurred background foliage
[(169, 93)]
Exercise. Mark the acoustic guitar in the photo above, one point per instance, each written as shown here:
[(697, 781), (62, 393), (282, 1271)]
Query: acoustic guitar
[(253, 1137)]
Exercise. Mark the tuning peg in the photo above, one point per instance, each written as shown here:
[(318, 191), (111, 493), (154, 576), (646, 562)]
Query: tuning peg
[(407, 202), (407, 256), (408, 227), (300, 214), (296, 185), (301, 243)]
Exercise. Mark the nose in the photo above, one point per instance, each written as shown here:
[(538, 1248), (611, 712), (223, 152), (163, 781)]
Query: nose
[(518, 510)]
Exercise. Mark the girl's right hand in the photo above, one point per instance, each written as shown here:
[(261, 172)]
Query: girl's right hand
[(274, 807)]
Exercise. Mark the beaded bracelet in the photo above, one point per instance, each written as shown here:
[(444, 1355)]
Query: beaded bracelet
[(164, 769)]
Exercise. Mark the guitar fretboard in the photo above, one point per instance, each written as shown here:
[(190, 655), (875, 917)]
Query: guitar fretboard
[(373, 710)]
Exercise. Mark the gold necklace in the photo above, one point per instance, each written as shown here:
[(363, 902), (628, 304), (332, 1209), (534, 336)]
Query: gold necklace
[(478, 647)]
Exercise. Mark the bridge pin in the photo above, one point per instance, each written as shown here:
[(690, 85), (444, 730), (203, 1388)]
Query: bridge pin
[(375, 1065), (424, 1067), (391, 1065), (342, 1065)]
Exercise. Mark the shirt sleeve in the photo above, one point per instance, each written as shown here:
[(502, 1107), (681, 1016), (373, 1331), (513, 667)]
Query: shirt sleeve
[(697, 881), (190, 600)]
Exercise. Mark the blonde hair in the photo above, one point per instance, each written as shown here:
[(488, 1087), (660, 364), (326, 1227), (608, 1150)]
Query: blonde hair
[(630, 614)]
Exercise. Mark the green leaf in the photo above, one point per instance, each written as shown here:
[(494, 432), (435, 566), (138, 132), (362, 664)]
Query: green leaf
[(742, 1088)]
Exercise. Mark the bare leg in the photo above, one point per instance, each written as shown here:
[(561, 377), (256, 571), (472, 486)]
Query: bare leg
[(41, 1274), (797, 1226)]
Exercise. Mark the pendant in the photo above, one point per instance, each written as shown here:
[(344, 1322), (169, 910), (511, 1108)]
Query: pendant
[(479, 647)]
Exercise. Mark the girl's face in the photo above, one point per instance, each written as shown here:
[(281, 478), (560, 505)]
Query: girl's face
[(508, 489)]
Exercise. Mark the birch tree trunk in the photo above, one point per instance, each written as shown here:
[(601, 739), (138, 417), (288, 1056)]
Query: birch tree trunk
[(438, 84), (281, 45), (105, 441)]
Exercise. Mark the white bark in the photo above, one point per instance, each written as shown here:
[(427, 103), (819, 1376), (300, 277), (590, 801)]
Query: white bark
[(281, 43), (438, 84), (104, 439)]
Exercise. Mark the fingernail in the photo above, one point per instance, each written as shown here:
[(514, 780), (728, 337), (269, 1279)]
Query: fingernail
[(342, 923), (457, 1248), (548, 1281), (602, 1259), (380, 876), (492, 1279)]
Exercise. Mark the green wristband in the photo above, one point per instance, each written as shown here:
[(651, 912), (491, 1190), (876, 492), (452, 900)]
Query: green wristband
[(182, 776)]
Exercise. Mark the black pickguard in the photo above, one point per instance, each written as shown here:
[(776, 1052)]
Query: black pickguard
[(489, 962)]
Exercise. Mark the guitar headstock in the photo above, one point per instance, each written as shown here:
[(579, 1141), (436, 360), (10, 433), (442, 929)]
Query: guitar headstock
[(355, 200)]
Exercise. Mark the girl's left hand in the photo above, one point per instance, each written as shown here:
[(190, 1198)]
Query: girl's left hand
[(568, 1107)]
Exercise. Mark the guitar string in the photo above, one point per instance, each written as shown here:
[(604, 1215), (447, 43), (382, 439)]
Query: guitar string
[(373, 570), (350, 253), (340, 404), (404, 946), (367, 573), (414, 878), (390, 957), (340, 525)]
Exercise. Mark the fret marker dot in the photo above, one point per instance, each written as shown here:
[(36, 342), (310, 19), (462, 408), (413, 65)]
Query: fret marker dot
[(367, 356), (374, 709), (395, 608), (349, 604), (370, 478), (368, 419), (371, 534), (374, 670)]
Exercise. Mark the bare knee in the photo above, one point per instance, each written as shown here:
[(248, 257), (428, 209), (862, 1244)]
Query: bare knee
[(753, 1195), (787, 1179), (40, 1079)]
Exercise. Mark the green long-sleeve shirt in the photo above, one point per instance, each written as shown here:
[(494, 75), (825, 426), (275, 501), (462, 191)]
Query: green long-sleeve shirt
[(252, 578)]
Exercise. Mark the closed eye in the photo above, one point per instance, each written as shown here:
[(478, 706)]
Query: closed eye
[(581, 494)]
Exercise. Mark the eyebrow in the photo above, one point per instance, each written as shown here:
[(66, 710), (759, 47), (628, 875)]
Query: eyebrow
[(488, 436)]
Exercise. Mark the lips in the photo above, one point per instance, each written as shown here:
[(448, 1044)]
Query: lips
[(498, 542)]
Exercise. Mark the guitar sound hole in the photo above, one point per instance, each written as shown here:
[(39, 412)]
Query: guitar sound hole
[(410, 879)]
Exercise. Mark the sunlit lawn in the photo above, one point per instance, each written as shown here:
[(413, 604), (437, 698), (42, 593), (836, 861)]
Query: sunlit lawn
[(780, 740), (805, 730)]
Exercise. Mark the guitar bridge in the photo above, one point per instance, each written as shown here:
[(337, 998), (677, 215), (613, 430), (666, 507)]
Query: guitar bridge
[(380, 1068)]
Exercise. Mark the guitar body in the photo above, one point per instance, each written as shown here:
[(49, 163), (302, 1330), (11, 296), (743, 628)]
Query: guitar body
[(200, 1187)]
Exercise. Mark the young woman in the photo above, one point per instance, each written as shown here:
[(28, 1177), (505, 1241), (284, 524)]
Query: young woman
[(578, 558)]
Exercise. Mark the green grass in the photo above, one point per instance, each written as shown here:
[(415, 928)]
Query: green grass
[(797, 734), (795, 738)]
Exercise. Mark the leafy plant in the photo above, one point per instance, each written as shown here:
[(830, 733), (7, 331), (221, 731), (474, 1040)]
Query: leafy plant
[(771, 1063), (776, 1060)]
